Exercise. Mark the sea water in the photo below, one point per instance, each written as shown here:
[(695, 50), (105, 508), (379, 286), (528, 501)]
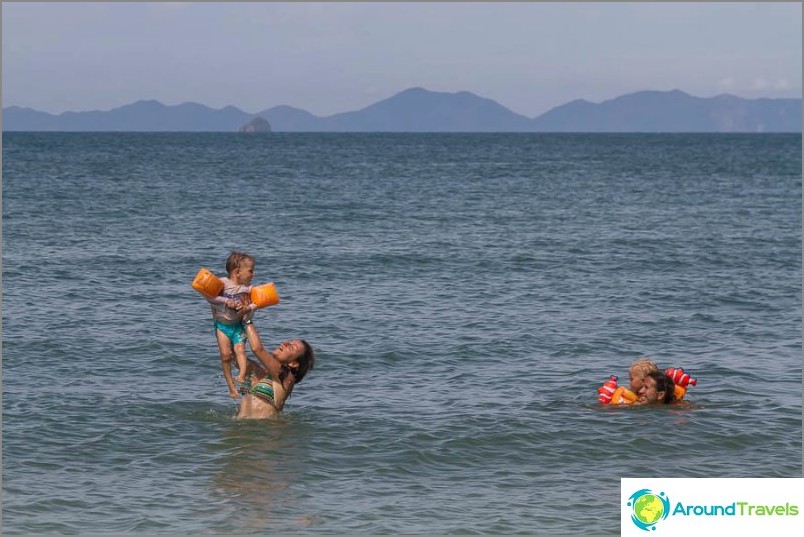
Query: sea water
[(466, 294)]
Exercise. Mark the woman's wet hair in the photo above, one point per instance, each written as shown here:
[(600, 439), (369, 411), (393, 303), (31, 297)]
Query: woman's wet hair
[(306, 362)]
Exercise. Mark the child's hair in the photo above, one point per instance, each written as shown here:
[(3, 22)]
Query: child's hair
[(644, 365), (236, 259)]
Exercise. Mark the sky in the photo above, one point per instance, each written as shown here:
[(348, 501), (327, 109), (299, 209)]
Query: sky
[(334, 57)]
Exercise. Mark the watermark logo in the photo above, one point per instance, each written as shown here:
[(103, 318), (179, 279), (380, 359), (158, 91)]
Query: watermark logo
[(703, 507), (648, 508)]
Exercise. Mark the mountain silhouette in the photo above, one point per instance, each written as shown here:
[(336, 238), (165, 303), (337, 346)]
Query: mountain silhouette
[(674, 111), (149, 116), (421, 110)]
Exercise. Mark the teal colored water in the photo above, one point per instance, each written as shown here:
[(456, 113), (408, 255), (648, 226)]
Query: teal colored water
[(466, 294)]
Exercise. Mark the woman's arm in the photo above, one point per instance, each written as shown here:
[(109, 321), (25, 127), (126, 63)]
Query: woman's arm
[(271, 364)]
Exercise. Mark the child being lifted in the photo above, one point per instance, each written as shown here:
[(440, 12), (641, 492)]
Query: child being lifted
[(233, 300)]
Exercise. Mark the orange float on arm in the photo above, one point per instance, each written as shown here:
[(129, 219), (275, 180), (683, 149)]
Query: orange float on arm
[(264, 295), (682, 381), (605, 392), (207, 284), (623, 396)]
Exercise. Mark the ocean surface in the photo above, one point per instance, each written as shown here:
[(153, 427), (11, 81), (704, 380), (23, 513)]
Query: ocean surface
[(466, 295)]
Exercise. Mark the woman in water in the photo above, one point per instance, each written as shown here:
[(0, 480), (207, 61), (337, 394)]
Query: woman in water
[(271, 383)]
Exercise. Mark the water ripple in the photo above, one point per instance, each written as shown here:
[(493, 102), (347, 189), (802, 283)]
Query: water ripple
[(466, 295)]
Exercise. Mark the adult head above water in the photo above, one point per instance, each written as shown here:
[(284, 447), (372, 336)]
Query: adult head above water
[(296, 357), (657, 388)]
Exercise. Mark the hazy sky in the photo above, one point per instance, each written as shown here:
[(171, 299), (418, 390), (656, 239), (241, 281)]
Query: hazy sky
[(336, 57)]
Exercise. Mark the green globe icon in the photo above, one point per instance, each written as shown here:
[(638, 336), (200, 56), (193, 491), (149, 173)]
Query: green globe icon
[(648, 509)]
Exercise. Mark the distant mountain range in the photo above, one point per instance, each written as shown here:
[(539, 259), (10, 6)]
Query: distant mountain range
[(420, 110)]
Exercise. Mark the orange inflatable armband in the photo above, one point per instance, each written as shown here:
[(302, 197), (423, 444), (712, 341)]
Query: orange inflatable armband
[(623, 396), (682, 380), (606, 391), (680, 377), (264, 295), (207, 283)]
